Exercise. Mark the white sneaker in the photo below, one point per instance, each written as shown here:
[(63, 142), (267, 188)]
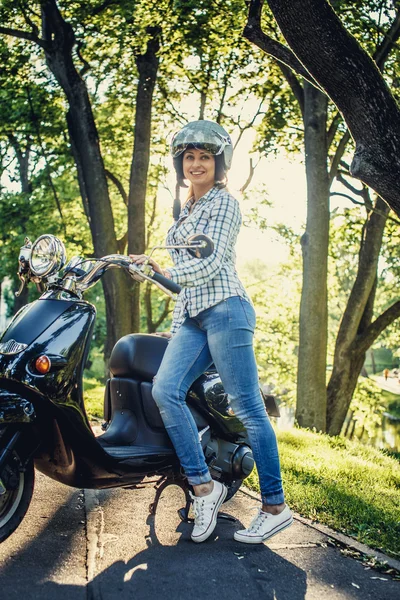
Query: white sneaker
[(205, 510), (263, 526)]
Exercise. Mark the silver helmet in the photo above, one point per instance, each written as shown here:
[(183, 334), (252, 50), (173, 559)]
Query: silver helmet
[(204, 135)]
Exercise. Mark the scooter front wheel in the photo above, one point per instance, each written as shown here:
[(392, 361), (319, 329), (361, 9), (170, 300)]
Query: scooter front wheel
[(16, 489)]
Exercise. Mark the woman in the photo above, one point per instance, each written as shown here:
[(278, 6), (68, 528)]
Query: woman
[(213, 321)]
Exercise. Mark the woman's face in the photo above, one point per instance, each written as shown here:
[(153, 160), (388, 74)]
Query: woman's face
[(199, 167)]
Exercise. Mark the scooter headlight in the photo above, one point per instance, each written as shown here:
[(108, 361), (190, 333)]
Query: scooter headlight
[(47, 256)]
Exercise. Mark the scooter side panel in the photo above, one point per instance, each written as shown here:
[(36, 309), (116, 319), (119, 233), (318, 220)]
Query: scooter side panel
[(208, 396), (33, 319)]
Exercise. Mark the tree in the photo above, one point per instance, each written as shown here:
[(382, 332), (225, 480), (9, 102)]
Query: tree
[(325, 53), (62, 49), (28, 121), (312, 405)]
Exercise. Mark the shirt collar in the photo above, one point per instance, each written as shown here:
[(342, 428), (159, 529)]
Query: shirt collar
[(207, 196)]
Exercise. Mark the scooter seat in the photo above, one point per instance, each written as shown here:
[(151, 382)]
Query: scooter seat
[(138, 355)]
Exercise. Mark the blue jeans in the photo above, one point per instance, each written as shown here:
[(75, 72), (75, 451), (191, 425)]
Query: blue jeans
[(222, 334)]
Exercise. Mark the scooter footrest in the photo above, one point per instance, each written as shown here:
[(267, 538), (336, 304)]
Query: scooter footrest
[(125, 452)]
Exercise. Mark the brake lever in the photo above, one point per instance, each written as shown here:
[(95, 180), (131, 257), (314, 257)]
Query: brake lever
[(138, 275), (22, 285)]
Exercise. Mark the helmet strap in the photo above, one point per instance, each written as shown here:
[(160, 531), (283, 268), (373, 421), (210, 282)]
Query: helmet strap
[(176, 210)]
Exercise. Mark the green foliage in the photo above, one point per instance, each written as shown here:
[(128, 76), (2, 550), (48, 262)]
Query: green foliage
[(276, 297), (367, 405), (345, 485)]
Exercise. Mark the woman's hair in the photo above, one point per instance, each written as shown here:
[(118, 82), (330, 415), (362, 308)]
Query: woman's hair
[(220, 173)]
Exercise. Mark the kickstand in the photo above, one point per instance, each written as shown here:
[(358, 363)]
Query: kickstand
[(161, 485), (184, 512)]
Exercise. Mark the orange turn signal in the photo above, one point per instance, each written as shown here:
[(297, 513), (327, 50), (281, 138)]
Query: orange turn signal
[(43, 364)]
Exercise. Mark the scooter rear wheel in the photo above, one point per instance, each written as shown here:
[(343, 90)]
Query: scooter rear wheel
[(15, 500)]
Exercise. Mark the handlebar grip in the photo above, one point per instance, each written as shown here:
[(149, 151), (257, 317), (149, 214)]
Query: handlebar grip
[(167, 283)]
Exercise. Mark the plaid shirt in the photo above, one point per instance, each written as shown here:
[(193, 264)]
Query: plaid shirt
[(206, 281)]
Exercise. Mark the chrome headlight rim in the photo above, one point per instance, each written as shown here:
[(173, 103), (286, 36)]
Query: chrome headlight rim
[(54, 256)]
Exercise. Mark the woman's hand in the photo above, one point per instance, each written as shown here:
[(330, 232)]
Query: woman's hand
[(164, 334), (140, 259)]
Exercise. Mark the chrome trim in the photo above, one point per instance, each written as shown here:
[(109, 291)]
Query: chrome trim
[(12, 347), (54, 254)]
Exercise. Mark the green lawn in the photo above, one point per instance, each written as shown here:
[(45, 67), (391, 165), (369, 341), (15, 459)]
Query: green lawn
[(93, 393), (345, 485)]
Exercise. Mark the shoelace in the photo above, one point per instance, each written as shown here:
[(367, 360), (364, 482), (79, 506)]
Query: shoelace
[(257, 521), (198, 507)]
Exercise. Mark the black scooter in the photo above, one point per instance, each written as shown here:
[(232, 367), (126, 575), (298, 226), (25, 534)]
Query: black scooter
[(43, 422)]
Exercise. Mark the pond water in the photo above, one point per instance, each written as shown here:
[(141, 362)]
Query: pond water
[(386, 436)]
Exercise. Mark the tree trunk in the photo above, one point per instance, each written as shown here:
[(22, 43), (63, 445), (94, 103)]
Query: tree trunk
[(352, 80), (26, 189), (341, 389), (311, 381), (147, 65), (60, 40), (349, 352)]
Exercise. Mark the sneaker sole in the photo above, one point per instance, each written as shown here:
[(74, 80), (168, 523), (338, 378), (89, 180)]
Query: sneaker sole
[(211, 527), (267, 536)]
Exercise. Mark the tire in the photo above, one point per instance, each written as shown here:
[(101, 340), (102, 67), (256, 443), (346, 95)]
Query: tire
[(233, 487), (15, 502)]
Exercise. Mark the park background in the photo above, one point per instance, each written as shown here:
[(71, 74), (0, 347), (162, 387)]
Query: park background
[(91, 94)]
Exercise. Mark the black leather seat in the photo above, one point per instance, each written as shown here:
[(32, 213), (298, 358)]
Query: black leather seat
[(138, 356)]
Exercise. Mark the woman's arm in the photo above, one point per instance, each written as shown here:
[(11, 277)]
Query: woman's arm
[(225, 220)]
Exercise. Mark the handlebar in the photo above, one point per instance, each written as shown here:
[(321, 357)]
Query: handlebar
[(117, 260), (167, 283)]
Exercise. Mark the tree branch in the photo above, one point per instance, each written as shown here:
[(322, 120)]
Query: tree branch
[(255, 34), (338, 156), (46, 162), (250, 177), (337, 118), (367, 338), (226, 80), (390, 38), (86, 65), (295, 85), (151, 220), (122, 242), (25, 35), (164, 313), (118, 185), (375, 210)]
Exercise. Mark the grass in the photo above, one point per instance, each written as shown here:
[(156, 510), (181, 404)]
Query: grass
[(345, 485), (93, 392)]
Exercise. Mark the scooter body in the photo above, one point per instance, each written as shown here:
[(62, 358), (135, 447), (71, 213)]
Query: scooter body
[(43, 420)]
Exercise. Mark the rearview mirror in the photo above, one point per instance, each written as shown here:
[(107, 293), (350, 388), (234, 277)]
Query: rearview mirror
[(202, 246)]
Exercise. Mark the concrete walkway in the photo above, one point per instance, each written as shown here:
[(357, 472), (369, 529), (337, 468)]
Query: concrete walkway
[(103, 545)]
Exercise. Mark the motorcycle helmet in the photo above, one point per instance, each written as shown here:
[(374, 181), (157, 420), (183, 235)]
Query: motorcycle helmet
[(203, 135)]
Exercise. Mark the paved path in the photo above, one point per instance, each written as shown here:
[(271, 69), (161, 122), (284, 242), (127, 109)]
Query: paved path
[(391, 384), (103, 545)]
